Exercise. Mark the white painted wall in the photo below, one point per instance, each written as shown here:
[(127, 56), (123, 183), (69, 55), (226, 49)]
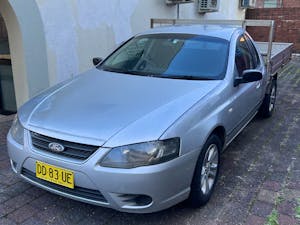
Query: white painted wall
[(78, 30), (27, 47), (53, 40)]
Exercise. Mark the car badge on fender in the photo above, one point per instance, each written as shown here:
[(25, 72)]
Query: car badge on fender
[(56, 147)]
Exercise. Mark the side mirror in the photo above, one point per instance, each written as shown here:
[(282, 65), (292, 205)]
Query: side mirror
[(97, 60), (248, 76)]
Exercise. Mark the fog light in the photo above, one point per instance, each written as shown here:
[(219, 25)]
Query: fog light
[(130, 200)]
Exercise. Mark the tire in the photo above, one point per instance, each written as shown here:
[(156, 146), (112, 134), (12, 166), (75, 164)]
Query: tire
[(206, 172), (267, 108)]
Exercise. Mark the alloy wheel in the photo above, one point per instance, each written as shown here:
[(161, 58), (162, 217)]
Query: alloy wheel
[(272, 99), (209, 169)]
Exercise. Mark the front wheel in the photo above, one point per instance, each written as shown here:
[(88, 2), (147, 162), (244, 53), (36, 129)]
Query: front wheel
[(268, 105), (206, 172)]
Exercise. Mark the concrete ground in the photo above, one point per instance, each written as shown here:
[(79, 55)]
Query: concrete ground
[(259, 179)]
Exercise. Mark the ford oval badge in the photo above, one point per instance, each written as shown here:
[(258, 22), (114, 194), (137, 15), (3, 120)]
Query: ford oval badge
[(56, 147)]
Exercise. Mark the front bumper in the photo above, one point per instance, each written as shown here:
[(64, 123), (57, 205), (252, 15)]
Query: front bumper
[(124, 190)]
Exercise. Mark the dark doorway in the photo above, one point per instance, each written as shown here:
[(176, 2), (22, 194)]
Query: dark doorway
[(7, 91)]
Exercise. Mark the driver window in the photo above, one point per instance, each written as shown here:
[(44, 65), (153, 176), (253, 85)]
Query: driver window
[(255, 56), (243, 58)]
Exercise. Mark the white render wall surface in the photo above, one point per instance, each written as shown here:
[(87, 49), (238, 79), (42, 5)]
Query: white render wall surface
[(78, 30)]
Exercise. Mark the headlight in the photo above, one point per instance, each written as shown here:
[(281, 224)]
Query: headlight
[(17, 131), (143, 154)]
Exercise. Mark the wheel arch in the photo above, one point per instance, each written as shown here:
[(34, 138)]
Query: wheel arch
[(274, 77), (220, 132), (196, 199)]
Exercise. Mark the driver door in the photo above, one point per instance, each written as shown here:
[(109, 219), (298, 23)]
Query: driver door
[(247, 96)]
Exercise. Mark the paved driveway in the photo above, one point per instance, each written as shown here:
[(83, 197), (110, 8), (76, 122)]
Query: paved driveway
[(260, 174)]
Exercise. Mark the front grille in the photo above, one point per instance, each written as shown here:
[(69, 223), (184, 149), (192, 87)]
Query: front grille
[(85, 193), (72, 150)]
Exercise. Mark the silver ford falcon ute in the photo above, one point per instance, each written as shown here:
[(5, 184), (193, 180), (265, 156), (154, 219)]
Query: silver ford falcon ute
[(144, 129)]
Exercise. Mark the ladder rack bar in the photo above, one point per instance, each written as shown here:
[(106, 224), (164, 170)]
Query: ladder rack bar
[(248, 23)]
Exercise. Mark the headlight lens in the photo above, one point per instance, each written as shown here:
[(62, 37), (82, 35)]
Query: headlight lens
[(17, 131), (143, 154)]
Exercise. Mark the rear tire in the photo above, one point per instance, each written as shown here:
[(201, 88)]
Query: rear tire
[(268, 105), (206, 172)]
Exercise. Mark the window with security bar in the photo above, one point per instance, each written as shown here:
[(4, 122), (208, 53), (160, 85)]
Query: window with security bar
[(269, 3)]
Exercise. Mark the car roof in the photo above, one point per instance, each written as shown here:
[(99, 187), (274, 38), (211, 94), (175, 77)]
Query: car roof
[(218, 31)]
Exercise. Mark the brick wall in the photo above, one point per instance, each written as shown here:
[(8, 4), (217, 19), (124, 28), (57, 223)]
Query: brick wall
[(291, 3), (287, 23), (3, 32), (279, 3)]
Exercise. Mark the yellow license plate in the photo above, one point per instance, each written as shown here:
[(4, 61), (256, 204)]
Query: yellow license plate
[(54, 174)]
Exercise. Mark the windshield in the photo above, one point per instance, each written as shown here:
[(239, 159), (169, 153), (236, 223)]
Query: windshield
[(177, 56)]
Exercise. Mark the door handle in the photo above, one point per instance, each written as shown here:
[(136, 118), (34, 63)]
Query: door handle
[(258, 84)]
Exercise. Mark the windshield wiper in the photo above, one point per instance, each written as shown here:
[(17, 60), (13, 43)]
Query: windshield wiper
[(115, 70), (131, 72), (147, 74), (187, 77)]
